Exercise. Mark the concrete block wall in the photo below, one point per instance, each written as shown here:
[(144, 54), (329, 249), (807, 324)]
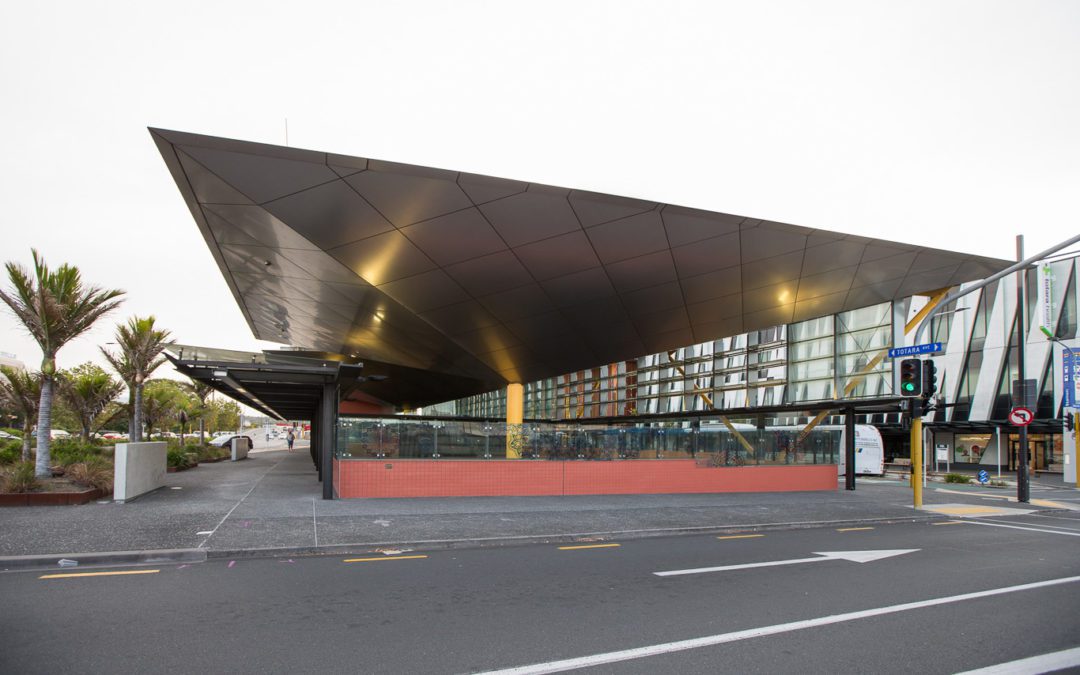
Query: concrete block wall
[(472, 478), (139, 468)]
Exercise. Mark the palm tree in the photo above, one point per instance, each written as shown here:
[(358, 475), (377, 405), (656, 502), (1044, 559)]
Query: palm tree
[(21, 390), (55, 307), (88, 390), (140, 355)]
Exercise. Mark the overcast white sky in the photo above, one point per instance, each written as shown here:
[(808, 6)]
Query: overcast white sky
[(950, 124)]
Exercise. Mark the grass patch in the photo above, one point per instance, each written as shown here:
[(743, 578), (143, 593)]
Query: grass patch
[(957, 478), (19, 478), (93, 473)]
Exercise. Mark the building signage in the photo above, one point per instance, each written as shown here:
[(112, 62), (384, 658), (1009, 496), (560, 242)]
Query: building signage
[(915, 350), (1046, 297), (1068, 370), (1020, 417)]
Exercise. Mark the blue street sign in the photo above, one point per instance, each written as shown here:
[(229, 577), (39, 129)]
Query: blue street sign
[(983, 477), (929, 348)]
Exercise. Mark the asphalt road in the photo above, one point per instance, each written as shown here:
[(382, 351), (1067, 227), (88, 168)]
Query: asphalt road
[(475, 610)]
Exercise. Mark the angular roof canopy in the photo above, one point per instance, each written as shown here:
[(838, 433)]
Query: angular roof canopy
[(488, 280)]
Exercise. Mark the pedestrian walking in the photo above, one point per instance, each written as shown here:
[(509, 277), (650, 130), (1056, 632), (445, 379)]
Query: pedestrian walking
[(289, 438)]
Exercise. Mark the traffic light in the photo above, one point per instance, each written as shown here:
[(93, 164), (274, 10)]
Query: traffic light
[(929, 378), (911, 378)]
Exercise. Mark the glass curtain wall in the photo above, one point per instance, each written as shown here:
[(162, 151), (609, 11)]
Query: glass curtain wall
[(806, 361), (709, 442)]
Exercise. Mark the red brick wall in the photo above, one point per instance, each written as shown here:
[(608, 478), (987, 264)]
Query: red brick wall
[(489, 478)]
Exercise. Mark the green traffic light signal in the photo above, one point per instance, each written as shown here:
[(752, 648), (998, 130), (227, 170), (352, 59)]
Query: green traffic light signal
[(911, 378)]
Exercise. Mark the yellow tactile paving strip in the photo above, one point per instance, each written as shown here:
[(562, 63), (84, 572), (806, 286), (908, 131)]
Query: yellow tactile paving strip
[(973, 510)]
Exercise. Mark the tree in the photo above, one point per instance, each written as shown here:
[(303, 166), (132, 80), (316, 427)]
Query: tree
[(140, 345), (88, 390), (200, 392), (226, 415), (162, 401), (55, 307), (20, 390)]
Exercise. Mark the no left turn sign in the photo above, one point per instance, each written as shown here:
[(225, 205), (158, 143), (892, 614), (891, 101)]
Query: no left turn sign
[(1020, 416)]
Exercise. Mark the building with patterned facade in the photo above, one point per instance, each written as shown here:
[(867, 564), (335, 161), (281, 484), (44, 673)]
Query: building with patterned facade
[(814, 360)]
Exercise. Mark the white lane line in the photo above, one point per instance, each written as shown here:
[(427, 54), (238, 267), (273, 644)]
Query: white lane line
[(1044, 663), (1052, 527), (1029, 529), (695, 643), (852, 556), (240, 502)]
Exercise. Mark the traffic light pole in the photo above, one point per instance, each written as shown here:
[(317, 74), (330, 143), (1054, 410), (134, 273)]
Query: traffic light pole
[(916, 451), (1023, 484)]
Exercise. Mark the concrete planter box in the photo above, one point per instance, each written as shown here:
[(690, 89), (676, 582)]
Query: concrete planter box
[(50, 498)]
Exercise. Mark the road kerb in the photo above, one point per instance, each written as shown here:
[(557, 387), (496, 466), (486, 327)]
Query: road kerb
[(102, 559)]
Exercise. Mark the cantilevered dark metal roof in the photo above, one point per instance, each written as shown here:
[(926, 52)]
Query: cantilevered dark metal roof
[(280, 385), (495, 280)]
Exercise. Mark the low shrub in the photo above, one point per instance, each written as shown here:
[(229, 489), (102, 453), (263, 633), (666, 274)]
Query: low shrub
[(207, 452), (957, 478), (10, 451), (13, 431), (19, 478), (178, 458), (96, 472), (65, 451), (999, 483)]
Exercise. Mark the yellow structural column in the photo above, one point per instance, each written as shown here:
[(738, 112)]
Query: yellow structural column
[(515, 416), (916, 460)]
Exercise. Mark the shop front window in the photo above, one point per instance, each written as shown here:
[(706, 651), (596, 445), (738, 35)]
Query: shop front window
[(970, 447)]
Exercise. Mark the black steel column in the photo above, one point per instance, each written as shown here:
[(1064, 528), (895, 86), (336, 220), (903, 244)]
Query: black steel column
[(313, 442), (1023, 487), (328, 414), (849, 449)]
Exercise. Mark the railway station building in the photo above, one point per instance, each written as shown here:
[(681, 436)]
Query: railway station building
[(531, 322)]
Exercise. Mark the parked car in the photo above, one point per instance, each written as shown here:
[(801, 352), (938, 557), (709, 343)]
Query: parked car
[(223, 440), (58, 433), (5, 436)]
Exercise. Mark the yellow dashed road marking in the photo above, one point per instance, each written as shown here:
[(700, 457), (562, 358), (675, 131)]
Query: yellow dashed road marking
[(742, 536), (575, 548), (95, 574), (396, 557)]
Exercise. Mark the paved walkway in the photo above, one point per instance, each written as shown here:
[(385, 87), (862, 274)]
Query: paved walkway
[(271, 503)]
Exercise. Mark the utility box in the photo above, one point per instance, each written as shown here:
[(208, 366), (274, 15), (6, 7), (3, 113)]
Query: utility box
[(240, 447)]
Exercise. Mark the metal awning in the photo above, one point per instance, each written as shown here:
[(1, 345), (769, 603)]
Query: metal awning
[(484, 281), (287, 387)]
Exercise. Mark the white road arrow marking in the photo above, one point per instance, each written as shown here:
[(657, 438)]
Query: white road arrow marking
[(853, 556)]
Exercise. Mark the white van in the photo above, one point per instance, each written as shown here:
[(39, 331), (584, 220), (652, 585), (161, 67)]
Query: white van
[(869, 448)]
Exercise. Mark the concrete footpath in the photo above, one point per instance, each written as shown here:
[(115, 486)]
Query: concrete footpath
[(270, 504)]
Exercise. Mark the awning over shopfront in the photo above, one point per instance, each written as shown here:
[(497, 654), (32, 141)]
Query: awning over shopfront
[(450, 284)]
